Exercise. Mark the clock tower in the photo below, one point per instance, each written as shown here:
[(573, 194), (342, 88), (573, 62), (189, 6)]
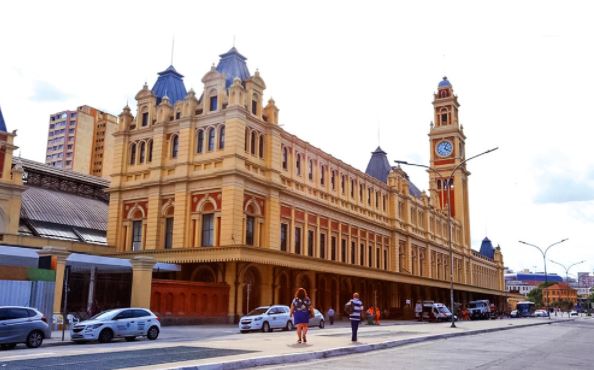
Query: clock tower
[(447, 142)]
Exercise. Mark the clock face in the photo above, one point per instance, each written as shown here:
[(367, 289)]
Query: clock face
[(444, 148)]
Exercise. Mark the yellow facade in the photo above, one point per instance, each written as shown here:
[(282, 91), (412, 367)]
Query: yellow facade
[(213, 181)]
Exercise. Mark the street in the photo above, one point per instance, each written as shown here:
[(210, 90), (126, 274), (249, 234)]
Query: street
[(565, 345)]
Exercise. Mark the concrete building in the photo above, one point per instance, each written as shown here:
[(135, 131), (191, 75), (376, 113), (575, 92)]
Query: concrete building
[(77, 140), (559, 292), (212, 182), (525, 281)]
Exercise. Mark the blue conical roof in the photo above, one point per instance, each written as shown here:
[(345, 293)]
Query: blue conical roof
[(487, 249), (444, 83), (233, 65), (170, 83), (379, 166), (2, 123)]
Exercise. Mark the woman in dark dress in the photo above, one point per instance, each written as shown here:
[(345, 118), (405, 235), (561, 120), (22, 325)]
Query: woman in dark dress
[(300, 308)]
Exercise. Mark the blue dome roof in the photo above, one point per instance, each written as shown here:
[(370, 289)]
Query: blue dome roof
[(233, 65), (487, 249), (444, 83), (378, 166), (170, 83), (2, 123)]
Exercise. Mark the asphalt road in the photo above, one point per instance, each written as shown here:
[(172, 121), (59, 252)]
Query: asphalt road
[(559, 346)]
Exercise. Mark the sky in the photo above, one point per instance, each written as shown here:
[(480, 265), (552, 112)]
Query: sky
[(348, 76)]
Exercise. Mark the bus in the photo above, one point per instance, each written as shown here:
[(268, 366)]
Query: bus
[(525, 309)]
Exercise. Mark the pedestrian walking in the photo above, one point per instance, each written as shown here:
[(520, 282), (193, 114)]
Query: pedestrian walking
[(300, 311), (354, 308), (370, 315), (378, 315), (331, 314)]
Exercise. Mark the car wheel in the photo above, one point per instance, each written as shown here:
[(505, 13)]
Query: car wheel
[(8, 346), (130, 339), (322, 324), (152, 333), (290, 325), (105, 336), (266, 327), (34, 339)]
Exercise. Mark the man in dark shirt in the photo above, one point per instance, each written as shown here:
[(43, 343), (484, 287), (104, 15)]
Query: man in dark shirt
[(356, 315)]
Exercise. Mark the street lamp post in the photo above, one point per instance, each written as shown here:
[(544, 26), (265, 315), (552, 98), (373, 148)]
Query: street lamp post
[(448, 182), (567, 268), (544, 259)]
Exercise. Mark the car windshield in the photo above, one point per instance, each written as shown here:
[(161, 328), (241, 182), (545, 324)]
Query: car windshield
[(105, 315), (475, 304), (258, 311), (443, 309)]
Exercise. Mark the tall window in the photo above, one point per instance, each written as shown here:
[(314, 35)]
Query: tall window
[(362, 254), (208, 230), (174, 146), (297, 240), (144, 119), (249, 230), (253, 142), (298, 164), (150, 151), (310, 170), (352, 188), (200, 141), (211, 139), (222, 137), (310, 242), (333, 248), (343, 250), (142, 151), (254, 106), (370, 262), (261, 148), (322, 246), (136, 235), (377, 257), (213, 103), (333, 180), (342, 184), (283, 237), (168, 232), (360, 192), (353, 252), (386, 260), (132, 153), (285, 158), (322, 175)]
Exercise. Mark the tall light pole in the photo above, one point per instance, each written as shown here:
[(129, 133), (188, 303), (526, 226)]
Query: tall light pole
[(448, 182), (544, 259), (567, 268)]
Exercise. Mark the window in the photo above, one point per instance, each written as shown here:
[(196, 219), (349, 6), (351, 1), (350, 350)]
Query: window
[(369, 196), (298, 164), (142, 152), (254, 107), (362, 254), (177, 115), (145, 119), (247, 133), (253, 142), (333, 179), (283, 237), (249, 230), (285, 158), (208, 230), (353, 252), (343, 250), (322, 175), (342, 184), (200, 141), (322, 246), (132, 153), (310, 242), (310, 170), (213, 103), (136, 235), (360, 192), (370, 261), (174, 146), (333, 248), (352, 188), (222, 137), (297, 240), (168, 232), (377, 258), (150, 151), (261, 148), (211, 139)]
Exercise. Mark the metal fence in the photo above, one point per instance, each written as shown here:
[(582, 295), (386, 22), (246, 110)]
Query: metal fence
[(36, 294)]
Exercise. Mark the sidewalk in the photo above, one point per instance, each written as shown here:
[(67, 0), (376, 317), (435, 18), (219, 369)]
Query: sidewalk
[(265, 349)]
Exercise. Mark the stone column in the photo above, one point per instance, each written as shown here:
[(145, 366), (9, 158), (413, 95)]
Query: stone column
[(60, 255), (142, 277)]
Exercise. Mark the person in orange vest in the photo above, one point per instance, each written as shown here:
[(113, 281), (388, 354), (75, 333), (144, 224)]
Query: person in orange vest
[(377, 315), (370, 315)]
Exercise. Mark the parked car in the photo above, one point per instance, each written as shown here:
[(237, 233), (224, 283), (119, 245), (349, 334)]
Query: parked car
[(514, 313), (266, 318), (127, 323), (541, 313), (317, 320), (22, 325), (573, 313)]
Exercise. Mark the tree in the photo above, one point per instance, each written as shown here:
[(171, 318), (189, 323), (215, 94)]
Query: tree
[(535, 295)]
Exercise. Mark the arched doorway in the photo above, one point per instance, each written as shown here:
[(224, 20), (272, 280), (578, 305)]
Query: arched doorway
[(251, 290), (284, 290)]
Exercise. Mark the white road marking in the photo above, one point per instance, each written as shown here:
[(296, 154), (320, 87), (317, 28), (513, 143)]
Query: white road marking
[(36, 354)]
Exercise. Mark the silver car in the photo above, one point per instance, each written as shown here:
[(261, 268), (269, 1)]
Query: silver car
[(266, 318), (22, 325), (317, 320), (127, 323)]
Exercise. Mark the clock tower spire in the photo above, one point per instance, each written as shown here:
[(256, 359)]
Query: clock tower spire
[(447, 143)]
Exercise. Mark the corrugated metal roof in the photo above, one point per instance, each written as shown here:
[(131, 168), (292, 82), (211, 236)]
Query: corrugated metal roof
[(170, 83), (2, 123), (44, 168), (56, 207), (233, 65)]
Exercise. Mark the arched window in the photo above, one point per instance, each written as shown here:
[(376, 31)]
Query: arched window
[(261, 148), (142, 152), (174, 146), (285, 158), (443, 116), (150, 151), (211, 139), (222, 137), (253, 142), (133, 153), (200, 141), (298, 164)]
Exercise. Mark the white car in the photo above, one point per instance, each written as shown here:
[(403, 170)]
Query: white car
[(541, 313), (266, 318), (127, 323)]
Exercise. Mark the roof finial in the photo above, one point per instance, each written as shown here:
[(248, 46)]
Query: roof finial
[(172, 48)]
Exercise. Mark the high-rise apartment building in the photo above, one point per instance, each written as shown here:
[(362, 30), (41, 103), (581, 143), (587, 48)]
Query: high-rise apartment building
[(77, 140)]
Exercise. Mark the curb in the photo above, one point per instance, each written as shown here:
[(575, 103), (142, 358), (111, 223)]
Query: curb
[(342, 351)]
